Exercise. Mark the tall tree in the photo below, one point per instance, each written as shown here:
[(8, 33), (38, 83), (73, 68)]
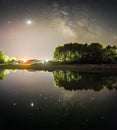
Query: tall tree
[(3, 58)]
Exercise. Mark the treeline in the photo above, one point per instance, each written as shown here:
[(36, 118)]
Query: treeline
[(4, 59), (93, 53)]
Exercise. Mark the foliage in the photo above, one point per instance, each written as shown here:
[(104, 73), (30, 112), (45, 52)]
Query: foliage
[(3, 58), (11, 60), (93, 53)]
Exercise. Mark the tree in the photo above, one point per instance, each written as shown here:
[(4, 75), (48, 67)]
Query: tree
[(93, 54), (110, 54), (12, 60), (68, 52), (58, 54), (72, 52), (80, 53), (3, 58)]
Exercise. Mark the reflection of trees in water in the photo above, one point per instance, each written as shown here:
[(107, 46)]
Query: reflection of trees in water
[(110, 81), (79, 81), (3, 73)]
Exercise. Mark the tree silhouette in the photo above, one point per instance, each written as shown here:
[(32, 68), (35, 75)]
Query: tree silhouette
[(93, 53)]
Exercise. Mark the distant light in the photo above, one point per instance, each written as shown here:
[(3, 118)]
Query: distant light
[(28, 22), (23, 59), (46, 60), (42, 61)]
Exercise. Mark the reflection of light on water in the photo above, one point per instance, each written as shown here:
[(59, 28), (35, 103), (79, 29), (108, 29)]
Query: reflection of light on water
[(68, 95), (6, 71), (13, 71)]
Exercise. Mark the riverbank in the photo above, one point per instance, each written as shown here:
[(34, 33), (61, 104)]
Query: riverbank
[(111, 68)]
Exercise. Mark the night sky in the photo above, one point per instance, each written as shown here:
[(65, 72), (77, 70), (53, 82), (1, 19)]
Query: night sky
[(33, 28)]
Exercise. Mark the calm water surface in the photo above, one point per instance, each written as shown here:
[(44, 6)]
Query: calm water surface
[(33, 99)]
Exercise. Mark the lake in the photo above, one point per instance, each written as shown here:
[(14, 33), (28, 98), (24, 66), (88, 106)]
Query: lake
[(60, 99)]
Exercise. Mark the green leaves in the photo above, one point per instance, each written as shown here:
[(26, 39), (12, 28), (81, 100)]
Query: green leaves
[(93, 53)]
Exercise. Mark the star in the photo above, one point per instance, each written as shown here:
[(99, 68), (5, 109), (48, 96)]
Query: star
[(59, 100), (9, 22), (32, 104), (64, 13), (14, 104), (46, 98), (29, 22)]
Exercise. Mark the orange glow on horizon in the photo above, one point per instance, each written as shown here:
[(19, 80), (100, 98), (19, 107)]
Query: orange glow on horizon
[(23, 59)]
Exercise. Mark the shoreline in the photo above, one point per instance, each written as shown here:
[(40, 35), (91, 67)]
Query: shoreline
[(101, 68)]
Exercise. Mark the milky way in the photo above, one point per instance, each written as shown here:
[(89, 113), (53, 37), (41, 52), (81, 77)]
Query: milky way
[(53, 23)]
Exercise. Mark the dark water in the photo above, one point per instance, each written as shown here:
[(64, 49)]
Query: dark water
[(51, 100)]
